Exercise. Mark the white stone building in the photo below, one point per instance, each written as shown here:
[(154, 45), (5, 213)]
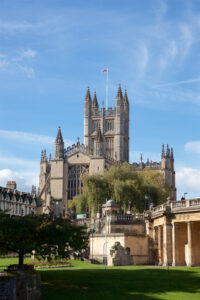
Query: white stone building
[(16, 203)]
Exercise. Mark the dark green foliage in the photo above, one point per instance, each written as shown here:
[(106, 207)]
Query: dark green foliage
[(48, 236), (124, 185)]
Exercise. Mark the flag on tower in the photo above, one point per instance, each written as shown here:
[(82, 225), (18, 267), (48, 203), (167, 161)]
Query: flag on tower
[(105, 70)]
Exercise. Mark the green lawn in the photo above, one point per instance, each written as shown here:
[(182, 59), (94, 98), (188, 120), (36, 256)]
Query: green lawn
[(86, 281)]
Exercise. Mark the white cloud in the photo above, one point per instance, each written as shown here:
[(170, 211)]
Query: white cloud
[(186, 38), (19, 62), (25, 54), (12, 161), (193, 146), (24, 180), (30, 73), (26, 137), (170, 54), (14, 26), (172, 50), (3, 63), (143, 58), (188, 180), (187, 81), (29, 53)]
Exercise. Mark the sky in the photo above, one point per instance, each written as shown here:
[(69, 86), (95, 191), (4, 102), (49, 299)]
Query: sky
[(52, 50)]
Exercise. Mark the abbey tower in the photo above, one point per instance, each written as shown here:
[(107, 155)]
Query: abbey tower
[(106, 144), (111, 124)]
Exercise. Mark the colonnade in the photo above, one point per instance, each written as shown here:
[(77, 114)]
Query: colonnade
[(177, 243)]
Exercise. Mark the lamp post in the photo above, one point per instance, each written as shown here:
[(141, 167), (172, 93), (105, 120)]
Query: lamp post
[(146, 202), (106, 237)]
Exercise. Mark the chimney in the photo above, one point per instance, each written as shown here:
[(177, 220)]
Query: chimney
[(11, 185)]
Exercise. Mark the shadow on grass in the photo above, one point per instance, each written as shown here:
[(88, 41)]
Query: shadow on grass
[(147, 283)]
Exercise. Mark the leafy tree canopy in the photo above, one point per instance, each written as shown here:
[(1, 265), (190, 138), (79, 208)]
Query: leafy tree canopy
[(124, 185), (50, 237)]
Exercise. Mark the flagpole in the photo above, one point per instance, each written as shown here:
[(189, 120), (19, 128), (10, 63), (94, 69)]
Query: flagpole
[(107, 89)]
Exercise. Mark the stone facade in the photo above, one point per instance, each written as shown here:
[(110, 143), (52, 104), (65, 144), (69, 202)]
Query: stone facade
[(166, 235), (106, 143), (174, 229), (17, 203), (106, 131), (114, 228)]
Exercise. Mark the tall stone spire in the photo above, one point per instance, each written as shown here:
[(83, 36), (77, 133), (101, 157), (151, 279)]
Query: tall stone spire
[(168, 151), (88, 96), (163, 151), (126, 98), (59, 145), (172, 153), (42, 155), (119, 96), (59, 138), (95, 103)]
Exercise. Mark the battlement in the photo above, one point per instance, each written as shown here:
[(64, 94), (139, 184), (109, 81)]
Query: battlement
[(148, 165), (76, 147)]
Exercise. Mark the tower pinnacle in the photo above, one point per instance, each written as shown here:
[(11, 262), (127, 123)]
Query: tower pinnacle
[(94, 101), (126, 98), (119, 93), (88, 96), (59, 138), (59, 145)]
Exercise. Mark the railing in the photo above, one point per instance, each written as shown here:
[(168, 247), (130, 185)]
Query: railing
[(194, 202), (175, 206), (76, 147), (178, 204), (127, 218), (159, 209)]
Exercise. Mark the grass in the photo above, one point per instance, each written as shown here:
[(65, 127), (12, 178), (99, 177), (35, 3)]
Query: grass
[(86, 281)]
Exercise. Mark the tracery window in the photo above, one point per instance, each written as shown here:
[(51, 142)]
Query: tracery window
[(109, 147), (109, 125), (75, 185), (96, 125)]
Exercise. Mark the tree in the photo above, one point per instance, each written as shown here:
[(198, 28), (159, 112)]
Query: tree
[(48, 236), (124, 185)]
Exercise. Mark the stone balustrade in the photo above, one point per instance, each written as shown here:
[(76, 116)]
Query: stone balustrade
[(175, 206)]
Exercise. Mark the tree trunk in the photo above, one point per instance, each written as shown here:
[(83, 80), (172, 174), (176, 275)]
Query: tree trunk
[(21, 258)]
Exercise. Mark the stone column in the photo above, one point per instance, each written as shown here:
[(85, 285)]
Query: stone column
[(189, 234), (174, 244), (160, 245), (165, 244)]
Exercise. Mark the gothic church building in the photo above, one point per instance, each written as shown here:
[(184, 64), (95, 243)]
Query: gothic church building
[(106, 143)]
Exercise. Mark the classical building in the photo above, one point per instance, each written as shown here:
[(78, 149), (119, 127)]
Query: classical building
[(106, 143), (165, 235), (16, 203), (174, 229)]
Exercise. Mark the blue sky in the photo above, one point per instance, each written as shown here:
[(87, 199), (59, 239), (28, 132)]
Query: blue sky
[(50, 51)]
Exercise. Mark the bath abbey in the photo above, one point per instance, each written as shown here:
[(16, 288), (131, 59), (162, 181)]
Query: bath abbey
[(106, 143), (167, 234)]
